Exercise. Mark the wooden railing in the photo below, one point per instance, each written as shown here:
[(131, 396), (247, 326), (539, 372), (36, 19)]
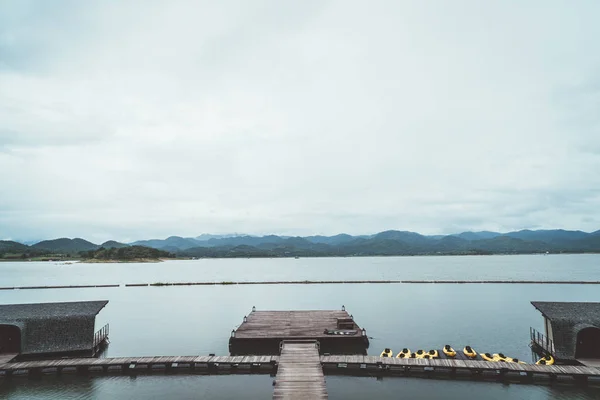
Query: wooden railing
[(541, 341), (100, 337)]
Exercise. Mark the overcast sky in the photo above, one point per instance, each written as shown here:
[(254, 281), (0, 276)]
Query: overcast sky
[(137, 119)]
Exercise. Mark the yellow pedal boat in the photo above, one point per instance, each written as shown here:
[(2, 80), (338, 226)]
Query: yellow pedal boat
[(405, 353), (470, 352), (548, 360), (387, 353), (433, 354), (449, 351), (420, 354)]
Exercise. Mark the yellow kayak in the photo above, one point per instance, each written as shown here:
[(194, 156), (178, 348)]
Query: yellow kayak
[(420, 354), (548, 360), (387, 353), (433, 354), (469, 352), (502, 357), (514, 360), (405, 353), (487, 356), (449, 351)]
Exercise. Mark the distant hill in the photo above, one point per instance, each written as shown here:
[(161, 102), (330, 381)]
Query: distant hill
[(549, 236), (387, 243), (206, 236), (333, 240), (477, 235), (403, 236), (8, 246), (127, 253), (172, 241), (393, 242), (245, 241), (111, 244), (65, 245)]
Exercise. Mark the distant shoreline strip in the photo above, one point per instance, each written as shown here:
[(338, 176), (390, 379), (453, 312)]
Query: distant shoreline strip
[(354, 282)]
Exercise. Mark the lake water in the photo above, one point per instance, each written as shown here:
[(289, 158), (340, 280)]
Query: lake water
[(191, 320)]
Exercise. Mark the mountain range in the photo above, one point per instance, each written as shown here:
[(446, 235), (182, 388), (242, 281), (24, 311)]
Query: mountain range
[(390, 242)]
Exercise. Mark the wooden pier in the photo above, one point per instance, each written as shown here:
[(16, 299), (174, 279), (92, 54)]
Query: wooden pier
[(299, 348), (297, 358), (139, 365), (299, 372), (499, 371), (262, 332)]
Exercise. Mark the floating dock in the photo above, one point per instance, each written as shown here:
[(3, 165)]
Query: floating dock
[(262, 332)]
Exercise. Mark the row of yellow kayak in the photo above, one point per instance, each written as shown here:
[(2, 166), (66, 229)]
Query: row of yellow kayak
[(467, 351), (447, 350), (406, 353)]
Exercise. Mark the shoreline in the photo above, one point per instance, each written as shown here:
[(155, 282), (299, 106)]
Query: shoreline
[(132, 261), (150, 260)]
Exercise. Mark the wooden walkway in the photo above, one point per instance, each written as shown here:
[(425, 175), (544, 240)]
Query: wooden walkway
[(301, 360), (444, 368), (6, 357), (136, 364), (299, 373), (589, 362)]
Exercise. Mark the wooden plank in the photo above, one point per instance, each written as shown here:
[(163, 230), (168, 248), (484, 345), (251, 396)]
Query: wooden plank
[(286, 324), (299, 374)]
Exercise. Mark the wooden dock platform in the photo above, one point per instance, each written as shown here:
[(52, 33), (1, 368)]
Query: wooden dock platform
[(299, 373), (262, 332)]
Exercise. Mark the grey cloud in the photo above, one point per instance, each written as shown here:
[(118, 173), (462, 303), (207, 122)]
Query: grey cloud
[(154, 118)]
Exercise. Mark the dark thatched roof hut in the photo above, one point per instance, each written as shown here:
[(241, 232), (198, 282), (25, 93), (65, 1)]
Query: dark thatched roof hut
[(48, 328), (572, 329)]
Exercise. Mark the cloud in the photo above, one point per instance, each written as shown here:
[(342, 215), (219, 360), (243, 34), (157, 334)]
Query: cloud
[(138, 119)]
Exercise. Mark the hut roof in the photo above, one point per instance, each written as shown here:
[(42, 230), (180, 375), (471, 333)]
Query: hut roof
[(571, 311), (567, 320), (51, 310)]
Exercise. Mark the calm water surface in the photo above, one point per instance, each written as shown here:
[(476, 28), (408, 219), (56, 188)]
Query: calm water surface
[(198, 319)]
